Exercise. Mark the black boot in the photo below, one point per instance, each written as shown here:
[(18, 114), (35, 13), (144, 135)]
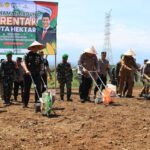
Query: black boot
[(69, 99), (62, 98)]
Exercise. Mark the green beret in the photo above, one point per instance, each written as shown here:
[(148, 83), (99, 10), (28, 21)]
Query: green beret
[(9, 53), (65, 56)]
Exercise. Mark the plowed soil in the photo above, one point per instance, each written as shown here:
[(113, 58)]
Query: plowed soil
[(124, 125)]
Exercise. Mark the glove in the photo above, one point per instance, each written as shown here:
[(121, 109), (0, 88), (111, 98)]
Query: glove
[(85, 70)]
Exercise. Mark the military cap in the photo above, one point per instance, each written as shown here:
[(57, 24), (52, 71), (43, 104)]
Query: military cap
[(65, 56), (9, 53)]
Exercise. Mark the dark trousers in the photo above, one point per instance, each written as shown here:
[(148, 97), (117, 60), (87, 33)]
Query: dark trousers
[(16, 88), (118, 80), (99, 83), (1, 90), (68, 86), (85, 86), (27, 86), (7, 87), (143, 91), (126, 77), (44, 77), (126, 89)]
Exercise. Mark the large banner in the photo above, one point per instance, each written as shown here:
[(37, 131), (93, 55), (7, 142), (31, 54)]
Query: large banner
[(22, 22)]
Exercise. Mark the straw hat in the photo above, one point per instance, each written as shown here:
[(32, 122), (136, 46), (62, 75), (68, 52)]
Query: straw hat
[(91, 50), (129, 52), (148, 62), (35, 46)]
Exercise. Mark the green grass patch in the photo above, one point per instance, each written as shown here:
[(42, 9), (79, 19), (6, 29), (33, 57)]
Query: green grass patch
[(75, 82)]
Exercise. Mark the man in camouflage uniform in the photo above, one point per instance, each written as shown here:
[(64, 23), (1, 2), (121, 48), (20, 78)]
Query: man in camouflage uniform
[(19, 75), (1, 82), (143, 91), (45, 69), (8, 71), (64, 76), (118, 66), (146, 79)]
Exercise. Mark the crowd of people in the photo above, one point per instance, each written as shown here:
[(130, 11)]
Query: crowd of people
[(34, 68), (122, 75)]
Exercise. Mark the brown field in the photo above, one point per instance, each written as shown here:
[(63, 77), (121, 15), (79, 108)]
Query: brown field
[(125, 125)]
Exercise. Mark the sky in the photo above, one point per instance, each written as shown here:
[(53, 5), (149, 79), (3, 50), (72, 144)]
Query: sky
[(81, 24)]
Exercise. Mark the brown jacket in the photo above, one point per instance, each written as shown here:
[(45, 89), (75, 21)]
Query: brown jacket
[(88, 62), (128, 64)]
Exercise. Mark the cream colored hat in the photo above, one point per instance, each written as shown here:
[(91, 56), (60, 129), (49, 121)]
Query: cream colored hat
[(91, 50), (148, 62), (129, 52), (36, 46)]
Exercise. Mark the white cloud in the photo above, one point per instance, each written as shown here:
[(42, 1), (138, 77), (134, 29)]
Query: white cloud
[(124, 38), (79, 41)]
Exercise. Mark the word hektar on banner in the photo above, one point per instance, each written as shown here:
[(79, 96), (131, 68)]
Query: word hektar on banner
[(17, 29)]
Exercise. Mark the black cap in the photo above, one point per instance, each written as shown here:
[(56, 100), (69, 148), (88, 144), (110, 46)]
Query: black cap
[(1, 60), (103, 52), (145, 60), (19, 58)]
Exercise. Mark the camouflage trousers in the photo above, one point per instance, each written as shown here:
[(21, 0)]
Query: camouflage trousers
[(62, 86), (7, 87), (1, 90)]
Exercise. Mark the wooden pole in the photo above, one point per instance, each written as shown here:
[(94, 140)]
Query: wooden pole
[(55, 69)]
